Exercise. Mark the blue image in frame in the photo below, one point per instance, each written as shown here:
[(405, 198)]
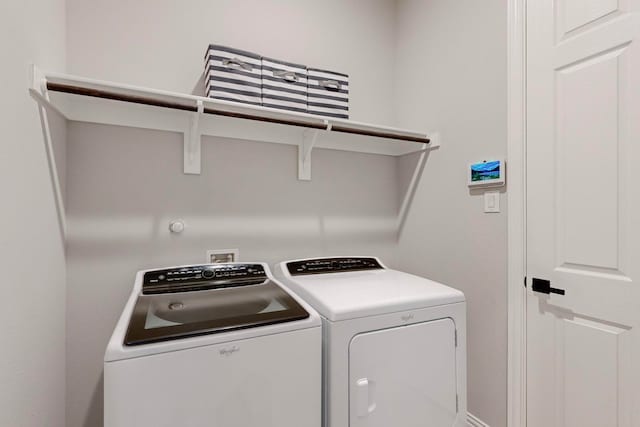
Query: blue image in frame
[(485, 171)]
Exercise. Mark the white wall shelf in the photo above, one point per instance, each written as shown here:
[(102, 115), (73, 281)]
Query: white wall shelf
[(94, 101)]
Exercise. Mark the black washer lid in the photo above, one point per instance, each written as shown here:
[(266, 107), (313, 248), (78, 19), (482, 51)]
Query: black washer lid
[(238, 296)]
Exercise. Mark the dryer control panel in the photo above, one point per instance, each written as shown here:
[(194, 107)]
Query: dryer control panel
[(332, 265), (200, 277)]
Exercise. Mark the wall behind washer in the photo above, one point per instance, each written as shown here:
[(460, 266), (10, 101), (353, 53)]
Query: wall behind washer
[(125, 185), (32, 353), (451, 71)]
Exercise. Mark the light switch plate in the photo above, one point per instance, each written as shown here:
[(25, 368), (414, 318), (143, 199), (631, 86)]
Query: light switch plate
[(492, 202)]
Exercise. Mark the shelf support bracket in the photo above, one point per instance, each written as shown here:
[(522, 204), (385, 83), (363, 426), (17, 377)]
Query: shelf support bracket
[(410, 193), (193, 142), (309, 138), (39, 93)]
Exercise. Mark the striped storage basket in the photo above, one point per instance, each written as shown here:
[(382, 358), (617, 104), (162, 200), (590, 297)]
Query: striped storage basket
[(328, 93), (233, 75), (284, 85)]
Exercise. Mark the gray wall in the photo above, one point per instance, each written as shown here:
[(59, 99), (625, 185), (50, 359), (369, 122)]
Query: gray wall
[(161, 43), (32, 355), (125, 185), (451, 60)]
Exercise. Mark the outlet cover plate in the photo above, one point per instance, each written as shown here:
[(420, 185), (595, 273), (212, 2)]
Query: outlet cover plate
[(217, 256)]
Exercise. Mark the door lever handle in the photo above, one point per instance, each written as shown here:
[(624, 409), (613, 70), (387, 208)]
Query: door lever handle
[(544, 287)]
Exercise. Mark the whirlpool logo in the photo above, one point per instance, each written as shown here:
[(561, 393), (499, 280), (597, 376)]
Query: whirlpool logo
[(407, 317), (227, 352)]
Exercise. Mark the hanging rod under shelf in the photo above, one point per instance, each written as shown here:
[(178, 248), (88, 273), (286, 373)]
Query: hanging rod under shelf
[(98, 93), (344, 129), (215, 112)]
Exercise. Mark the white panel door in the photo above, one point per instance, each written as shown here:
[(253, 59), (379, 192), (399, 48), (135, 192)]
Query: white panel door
[(583, 213), (404, 376)]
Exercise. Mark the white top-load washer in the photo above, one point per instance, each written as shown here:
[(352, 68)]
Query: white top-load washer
[(221, 345), (393, 343)]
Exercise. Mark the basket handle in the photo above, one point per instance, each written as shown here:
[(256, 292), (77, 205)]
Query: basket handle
[(237, 64), (331, 84), (289, 76)]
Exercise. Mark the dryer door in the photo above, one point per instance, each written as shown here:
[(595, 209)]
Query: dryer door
[(404, 376)]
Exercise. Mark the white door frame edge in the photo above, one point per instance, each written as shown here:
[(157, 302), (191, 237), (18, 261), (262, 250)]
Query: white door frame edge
[(516, 161)]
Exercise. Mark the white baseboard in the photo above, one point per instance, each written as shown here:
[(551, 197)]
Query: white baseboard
[(473, 421)]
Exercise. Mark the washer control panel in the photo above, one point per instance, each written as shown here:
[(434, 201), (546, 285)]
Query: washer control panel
[(200, 277), (331, 265)]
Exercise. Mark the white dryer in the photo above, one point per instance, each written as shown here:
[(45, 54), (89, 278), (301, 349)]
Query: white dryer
[(221, 345), (393, 343)]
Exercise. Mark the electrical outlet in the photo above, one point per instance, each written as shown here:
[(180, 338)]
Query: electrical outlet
[(217, 256)]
